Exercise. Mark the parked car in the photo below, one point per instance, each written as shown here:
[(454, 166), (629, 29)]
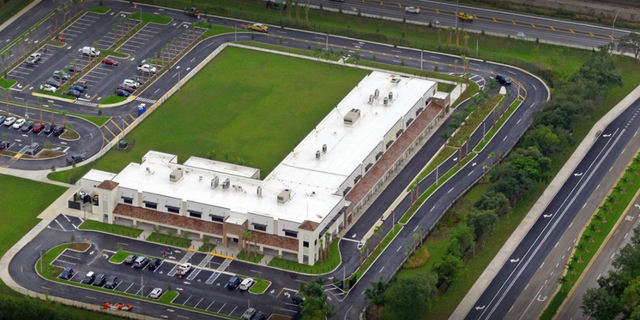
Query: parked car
[(141, 262), (122, 93), (77, 88), (126, 88), (27, 126), (155, 263), (258, 27), (110, 62), (246, 284), (74, 93), (415, 10), (49, 88), (100, 280), (76, 158), (48, 129), (145, 67), (4, 145), (53, 82), (112, 282), (34, 57), (2, 119), (32, 149), (89, 278), (504, 80), (132, 83), (66, 274), (9, 121), (18, 124), (38, 127), (249, 314), (130, 259), (297, 299), (81, 83), (73, 69), (58, 130), (234, 282), (261, 316), (60, 74), (155, 293), (183, 269)]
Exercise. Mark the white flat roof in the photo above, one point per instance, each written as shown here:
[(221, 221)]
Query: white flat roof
[(98, 175), (313, 183)]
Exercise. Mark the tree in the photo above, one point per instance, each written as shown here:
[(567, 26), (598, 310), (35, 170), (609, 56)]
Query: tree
[(413, 296), (461, 241), (421, 234), (315, 304), (448, 269), (481, 223), (375, 295), (64, 118), (254, 237), (7, 93), (630, 43), (494, 201), (598, 303)]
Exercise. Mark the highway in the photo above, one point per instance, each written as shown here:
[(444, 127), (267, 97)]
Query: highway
[(351, 304)]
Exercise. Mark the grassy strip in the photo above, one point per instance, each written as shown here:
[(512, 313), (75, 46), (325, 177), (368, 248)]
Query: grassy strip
[(252, 257), (323, 266), (119, 257), (440, 158), (55, 94), (169, 240), (149, 17), (112, 99), (260, 286), (113, 53), (423, 197), (7, 83), (168, 297), (213, 30), (494, 129), (378, 250), (595, 234), (97, 120), (44, 266), (473, 121), (101, 10), (207, 247), (110, 228)]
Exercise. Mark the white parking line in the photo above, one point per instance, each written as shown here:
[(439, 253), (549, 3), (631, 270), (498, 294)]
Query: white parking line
[(234, 309), (221, 307), (210, 305), (129, 287)]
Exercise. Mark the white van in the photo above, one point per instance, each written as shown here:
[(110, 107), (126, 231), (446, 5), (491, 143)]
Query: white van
[(131, 83), (90, 51)]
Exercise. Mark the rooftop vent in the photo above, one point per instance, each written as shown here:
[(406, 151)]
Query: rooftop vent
[(176, 175), (390, 95), (226, 184), (284, 196), (351, 116), (214, 182), (259, 191), (395, 79), (318, 155), (385, 101), (376, 94), (371, 97), (324, 148)]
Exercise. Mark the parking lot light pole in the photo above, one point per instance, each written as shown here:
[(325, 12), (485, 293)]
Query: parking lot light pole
[(457, 2)]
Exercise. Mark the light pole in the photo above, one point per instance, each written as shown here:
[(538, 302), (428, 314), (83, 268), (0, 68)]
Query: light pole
[(421, 54), (327, 49), (613, 26), (457, 2)]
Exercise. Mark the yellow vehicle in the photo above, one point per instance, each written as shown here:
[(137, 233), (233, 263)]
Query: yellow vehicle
[(258, 27), (465, 17), (194, 12)]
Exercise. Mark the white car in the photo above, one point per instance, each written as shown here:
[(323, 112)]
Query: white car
[(412, 9), (184, 269), (246, 284), (49, 88), (9, 121), (33, 58), (131, 83), (155, 293), (19, 123), (147, 68)]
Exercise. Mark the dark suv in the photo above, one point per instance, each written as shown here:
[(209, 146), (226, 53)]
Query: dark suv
[(112, 282), (76, 158), (100, 280), (141, 262), (504, 80), (234, 282), (155, 264), (66, 274)]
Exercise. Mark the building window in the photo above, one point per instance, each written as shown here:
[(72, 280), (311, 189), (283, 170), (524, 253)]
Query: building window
[(173, 209), (290, 233), (127, 200), (150, 205), (305, 244), (216, 218), (259, 227), (195, 214)]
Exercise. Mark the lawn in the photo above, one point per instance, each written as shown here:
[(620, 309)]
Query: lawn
[(119, 256), (252, 256), (7, 83), (149, 17), (101, 10), (260, 286), (320, 267), (213, 30), (112, 99), (252, 117), (169, 240), (110, 228)]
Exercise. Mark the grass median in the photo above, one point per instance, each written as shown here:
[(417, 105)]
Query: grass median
[(110, 228), (319, 267)]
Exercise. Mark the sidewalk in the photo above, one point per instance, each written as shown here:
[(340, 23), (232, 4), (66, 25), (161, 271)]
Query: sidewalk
[(559, 180)]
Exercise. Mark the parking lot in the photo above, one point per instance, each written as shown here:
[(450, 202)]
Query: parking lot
[(203, 287)]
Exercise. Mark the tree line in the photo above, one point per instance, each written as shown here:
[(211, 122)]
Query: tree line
[(510, 180)]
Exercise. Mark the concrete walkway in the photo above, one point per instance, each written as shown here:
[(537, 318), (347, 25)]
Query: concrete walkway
[(512, 243)]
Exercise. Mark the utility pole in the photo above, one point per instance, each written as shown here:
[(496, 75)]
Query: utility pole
[(613, 26), (421, 55), (457, 2)]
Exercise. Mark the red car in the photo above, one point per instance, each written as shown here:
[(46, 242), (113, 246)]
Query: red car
[(38, 127), (110, 61), (125, 88)]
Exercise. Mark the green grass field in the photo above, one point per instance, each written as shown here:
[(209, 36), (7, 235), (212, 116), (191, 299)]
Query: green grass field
[(253, 117), (149, 17), (112, 99)]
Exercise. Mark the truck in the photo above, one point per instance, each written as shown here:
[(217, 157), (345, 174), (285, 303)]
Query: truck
[(465, 17), (145, 67), (193, 12), (90, 51)]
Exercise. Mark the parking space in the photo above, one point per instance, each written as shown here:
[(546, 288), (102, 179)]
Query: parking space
[(121, 26), (143, 38), (79, 27)]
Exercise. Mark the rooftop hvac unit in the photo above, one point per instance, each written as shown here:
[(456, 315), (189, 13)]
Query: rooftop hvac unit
[(284, 196), (176, 175), (214, 182), (376, 94), (318, 155), (385, 101), (324, 148), (259, 191), (370, 99), (390, 95), (351, 116), (226, 184)]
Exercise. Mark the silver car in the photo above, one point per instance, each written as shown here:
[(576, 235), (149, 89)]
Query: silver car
[(412, 10)]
